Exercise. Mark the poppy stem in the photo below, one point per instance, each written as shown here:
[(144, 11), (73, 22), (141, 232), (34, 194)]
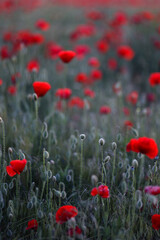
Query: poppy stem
[(3, 139), (81, 164), (113, 170), (102, 161)]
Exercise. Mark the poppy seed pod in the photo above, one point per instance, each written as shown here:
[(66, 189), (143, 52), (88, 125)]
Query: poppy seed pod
[(135, 163), (82, 137), (101, 141), (107, 159), (1, 120), (114, 146)]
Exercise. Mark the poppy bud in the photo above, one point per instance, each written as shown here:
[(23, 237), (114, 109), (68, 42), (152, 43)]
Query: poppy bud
[(10, 150), (114, 146), (1, 120), (82, 137), (34, 200), (68, 178), (46, 154), (135, 163), (49, 174), (64, 194), (35, 97), (139, 204), (107, 159), (40, 214), (57, 193), (54, 178), (29, 205), (120, 164), (94, 180), (135, 132), (101, 141), (10, 216)]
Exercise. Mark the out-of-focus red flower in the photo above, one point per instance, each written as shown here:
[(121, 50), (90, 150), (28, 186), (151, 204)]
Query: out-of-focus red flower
[(65, 213), (151, 97), (14, 77), (85, 30), (102, 46), (8, 36), (1, 82), (154, 79), (16, 167), (89, 93), (82, 51), (4, 52), (42, 25), (33, 66), (152, 190), (67, 56), (37, 38), (117, 88), (126, 111), (76, 102), (59, 105), (132, 97), (82, 78), (156, 221), (105, 110), (12, 90), (128, 124), (125, 52), (156, 43), (96, 74), (63, 93), (147, 16), (102, 191), (119, 20), (94, 62), (95, 15), (32, 224), (71, 231), (52, 50), (112, 64), (41, 88), (143, 145)]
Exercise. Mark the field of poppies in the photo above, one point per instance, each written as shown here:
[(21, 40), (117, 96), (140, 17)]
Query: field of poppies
[(79, 122)]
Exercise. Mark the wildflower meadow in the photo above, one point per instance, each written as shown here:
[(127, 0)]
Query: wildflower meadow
[(79, 120)]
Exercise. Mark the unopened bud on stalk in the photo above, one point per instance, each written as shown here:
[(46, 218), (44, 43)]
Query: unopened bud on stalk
[(82, 137), (64, 194), (10, 150), (1, 120), (94, 180), (35, 97), (134, 163), (52, 162), (101, 141), (46, 154), (114, 146), (107, 159), (139, 204)]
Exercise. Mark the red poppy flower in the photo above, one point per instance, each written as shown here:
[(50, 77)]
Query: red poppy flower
[(67, 56), (71, 231), (1, 82), (126, 111), (88, 92), (33, 224), (102, 46), (63, 93), (143, 145), (16, 167), (128, 124), (8, 36), (52, 50), (105, 110), (125, 52), (96, 74), (15, 76), (37, 38), (102, 191), (152, 190), (41, 88), (119, 19), (154, 79), (4, 52), (33, 65), (112, 64), (82, 78), (42, 25), (94, 62), (12, 90), (76, 102), (95, 15), (82, 51), (132, 97), (65, 213), (156, 221)]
